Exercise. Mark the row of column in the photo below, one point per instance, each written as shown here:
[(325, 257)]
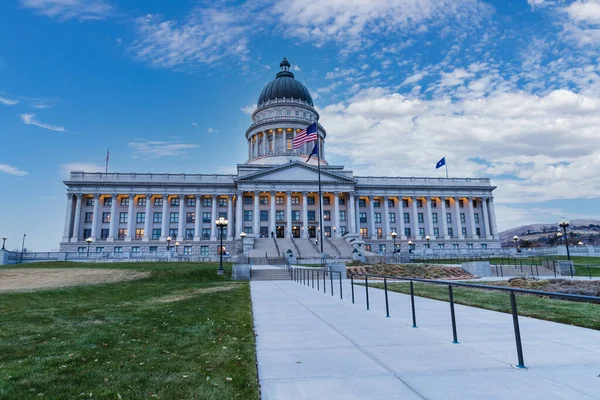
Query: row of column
[(262, 148)]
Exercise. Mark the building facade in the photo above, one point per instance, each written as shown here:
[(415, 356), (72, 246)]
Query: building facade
[(275, 195)]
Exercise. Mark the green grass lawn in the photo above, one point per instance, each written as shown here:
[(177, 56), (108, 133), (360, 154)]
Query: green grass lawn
[(183, 333), (567, 312)]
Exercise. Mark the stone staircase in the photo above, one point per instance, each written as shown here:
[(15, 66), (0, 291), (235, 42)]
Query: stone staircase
[(330, 248), (286, 244), (344, 247), (512, 270), (269, 274), (262, 246), (307, 248)]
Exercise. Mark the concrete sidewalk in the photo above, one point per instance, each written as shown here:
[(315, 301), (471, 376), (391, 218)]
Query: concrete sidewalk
[(312, 345)]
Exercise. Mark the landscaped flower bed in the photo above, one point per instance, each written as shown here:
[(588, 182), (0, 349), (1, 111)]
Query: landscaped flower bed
[(422, 271)]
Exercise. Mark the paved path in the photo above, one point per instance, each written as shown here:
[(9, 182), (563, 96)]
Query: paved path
[(313, 346)]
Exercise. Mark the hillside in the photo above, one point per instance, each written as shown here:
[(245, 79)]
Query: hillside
[(584, 230)]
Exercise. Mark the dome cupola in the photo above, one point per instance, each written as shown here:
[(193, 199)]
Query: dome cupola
[(284, 86)]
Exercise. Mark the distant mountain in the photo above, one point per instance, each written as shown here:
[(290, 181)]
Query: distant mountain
[(534, 232)]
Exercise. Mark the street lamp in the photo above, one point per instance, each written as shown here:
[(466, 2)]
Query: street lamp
[(3, 242), (23, 247), (410, 244), (176, 247), (221, 223), (168, 243), (516, 239), (88, 241), (334, 230), (242, 235), (427, 238), (580, 243), (394, 234), (564, 223)]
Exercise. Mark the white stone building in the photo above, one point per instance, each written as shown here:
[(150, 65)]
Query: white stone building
[(275, 194)]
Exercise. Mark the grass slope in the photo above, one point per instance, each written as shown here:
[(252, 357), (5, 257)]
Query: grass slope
[(185, 332)]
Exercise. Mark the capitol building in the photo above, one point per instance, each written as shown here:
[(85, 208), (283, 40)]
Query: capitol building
[(272, 203)]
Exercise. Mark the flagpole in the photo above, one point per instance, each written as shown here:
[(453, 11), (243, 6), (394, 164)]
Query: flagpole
[(107, 156), (446, 164), (320, 194)]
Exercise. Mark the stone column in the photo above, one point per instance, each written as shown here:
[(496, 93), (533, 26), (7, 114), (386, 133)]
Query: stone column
[(492, 213), (165, 219), (415, 218), (386, 219), (68, 216), (148, 218), (288, 214), (473, 233), (272, 212), (77, 221), (444, 220), (485, 232), (95, 218), (130, 218), (457, 224), (182, 221), (304, 215), (239, 213), (372, 218), (351, 207), (256, 216), (336, 214), (213, 218), (429, 220), (401, 218), (229, 217), (114, 218), (197, 221)]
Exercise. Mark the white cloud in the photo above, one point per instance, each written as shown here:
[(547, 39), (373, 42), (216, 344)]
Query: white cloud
[(155, 149), (70, 9), (9, 169), (340, 73), (29, 119), (585, 11), (248, 109), (416, 77), (296, 68), (8, 102), (195, 125), (81, 166), (212, 130)]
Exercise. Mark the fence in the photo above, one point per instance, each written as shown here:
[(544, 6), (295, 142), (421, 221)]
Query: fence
[(311, 276)]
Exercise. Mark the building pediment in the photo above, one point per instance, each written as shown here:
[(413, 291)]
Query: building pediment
[(295, 172)]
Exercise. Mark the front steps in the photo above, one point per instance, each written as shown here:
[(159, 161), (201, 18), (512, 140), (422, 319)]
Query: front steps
[(271, 274)]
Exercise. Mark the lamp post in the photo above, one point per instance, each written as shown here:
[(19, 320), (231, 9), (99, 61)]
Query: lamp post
[(410, 244), (516, 239), (394, 234), (23, 247), (176, 247), (564, 223), (169, 243), (427, 238), (334, 230), (221, 223), (88, 241), (3, 242), (580, 243)]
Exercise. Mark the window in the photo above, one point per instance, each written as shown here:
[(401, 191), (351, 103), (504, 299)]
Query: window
[(420, 218), (311, 215), (279, 200), (190, 217), (248, 229), (450, 232), (434, 218), (367, 247), (379, 232), (222, 215), (461, 203), (174, 201), (377, 218), (153, 249), (326, 200), (327, 231), (462, 218), (247, 199), (407, 232), (87, 233), (89, 216), (123, 217), (173, 218), (404, 203), (173, 233), (343, 230), (390, 202), (140, 217), (362, 203), (433, 204), (99, 249), (89, 201), (104, 233), (362, 218), (139, 233), (478, 232), (190, 201), (81, 250), (392, 218), (158, 201), (295, 215), (187, 250), (474, 203), (122, 233), (476, 218), (279, 216), (436, 232), (279, 112), (376, 203), (264, 200), (342, 215), (118, 250), (206, 217), (157, 217), (203, 250), (288, 112), (135, 249), (141, 201), (382, 248), (406, 218), (295, 200), (464, 231), (447, 202), (156, 233), (247, 215), (189, 233), (364, 232), (222, 201), (327, 215), (441, 246), (455, 246), (392, 230), (419, 203), (264, 215), (484, 245), (107, 201), (342, 201), (422, 232), (470, 246), (205, 233), (449, 218), (125, 201), (106, 217)]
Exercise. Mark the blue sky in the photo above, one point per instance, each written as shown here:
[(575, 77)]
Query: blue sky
[(504, 89)]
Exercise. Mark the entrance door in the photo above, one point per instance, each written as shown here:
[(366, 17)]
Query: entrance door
[(295, 231), (264, 231), (280, 231), (312, 231)]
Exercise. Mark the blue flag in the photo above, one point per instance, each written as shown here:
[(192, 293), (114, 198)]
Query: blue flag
[(440, 163), (315, 151)]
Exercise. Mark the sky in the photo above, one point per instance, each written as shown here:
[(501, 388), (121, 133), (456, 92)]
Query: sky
[(506, 89)]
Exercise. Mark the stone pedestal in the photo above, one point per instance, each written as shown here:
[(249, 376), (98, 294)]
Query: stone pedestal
[(565, 267), (291, 257), (478, 268), (337, 267), (240, 272)]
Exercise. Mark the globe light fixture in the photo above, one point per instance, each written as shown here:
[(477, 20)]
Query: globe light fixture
[(169, 243), (88, 241), (427, 238), (394, 234), (564, 224), (176, 247), (221, 224), (516, 240), (3, 242)]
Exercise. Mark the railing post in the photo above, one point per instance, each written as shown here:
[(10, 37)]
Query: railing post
[(324, 281), (513, 305), (553, 266), (352, 286), (452, 315), (387, 306), (312, 278), (501, 271), (331, 280), (341, 294), (367, 291), (318, 279), (537, 271), (531, 269), (589, 271)]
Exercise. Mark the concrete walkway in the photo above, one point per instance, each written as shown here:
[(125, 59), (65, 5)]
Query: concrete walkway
[(312, 345)]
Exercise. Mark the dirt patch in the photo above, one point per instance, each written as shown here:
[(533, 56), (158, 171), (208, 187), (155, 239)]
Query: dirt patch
[(180, 296), (24, 279), (567, 286), (422, 271)]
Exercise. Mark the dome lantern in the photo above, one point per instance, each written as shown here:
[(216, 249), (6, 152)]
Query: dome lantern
[(285, 86)]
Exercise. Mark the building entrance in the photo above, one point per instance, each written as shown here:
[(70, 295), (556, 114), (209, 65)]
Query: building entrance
[(295, 231), (280, 231), (264, 232), (312, 231)]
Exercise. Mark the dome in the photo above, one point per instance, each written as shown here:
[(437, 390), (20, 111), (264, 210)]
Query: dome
[(284, 86)]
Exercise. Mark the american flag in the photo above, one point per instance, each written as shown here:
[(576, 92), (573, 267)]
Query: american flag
[(306, 135)]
